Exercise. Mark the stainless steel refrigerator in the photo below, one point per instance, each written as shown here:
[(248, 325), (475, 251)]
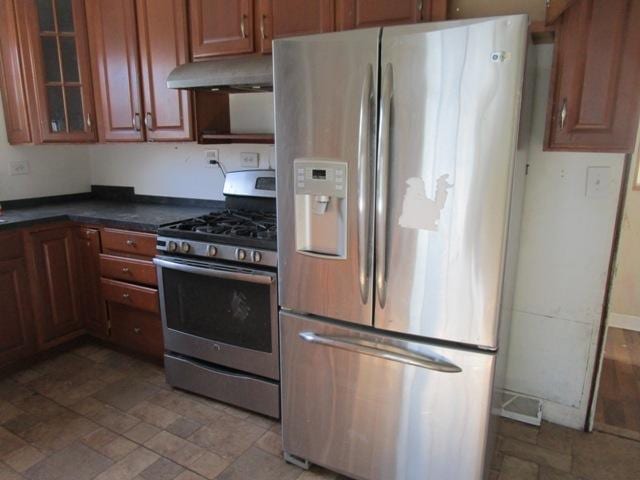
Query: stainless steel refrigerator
[(398, 192)]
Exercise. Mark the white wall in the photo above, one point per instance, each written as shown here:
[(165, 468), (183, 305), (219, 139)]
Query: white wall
[(565, 247), (181, 169), (54, 169)]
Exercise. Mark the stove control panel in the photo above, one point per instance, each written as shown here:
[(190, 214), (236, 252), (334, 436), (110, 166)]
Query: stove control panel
[(174, 246)]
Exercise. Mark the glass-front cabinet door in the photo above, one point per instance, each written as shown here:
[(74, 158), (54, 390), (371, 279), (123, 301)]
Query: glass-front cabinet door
[(59, 60)]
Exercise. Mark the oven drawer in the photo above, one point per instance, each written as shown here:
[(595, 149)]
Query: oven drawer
[(124, 241), (136, 330), (142, 298), (258, 395), (128, 269)]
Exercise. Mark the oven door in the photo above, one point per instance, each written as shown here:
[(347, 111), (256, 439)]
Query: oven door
[(221, 314)]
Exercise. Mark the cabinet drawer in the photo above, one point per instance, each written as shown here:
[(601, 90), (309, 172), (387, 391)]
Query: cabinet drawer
[(129, 242), (134, 296), (128, 269), (135, 329), (11, 245)]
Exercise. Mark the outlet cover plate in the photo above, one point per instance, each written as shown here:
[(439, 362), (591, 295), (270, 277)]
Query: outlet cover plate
[(249, 160), (19, 167)]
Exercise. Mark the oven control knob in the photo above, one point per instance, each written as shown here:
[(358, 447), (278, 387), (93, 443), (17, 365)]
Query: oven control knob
[(212, 251), (172, 246), (240, 254), (256, 256), (185, 247)]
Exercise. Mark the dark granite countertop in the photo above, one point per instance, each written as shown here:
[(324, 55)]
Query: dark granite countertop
[(145, 217)]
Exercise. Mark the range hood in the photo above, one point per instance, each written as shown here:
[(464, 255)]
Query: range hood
[(246, 73)]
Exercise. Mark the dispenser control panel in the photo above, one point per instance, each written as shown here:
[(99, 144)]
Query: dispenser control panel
[(320, 177)]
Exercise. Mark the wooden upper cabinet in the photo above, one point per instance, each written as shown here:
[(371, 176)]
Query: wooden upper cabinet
[(164, 44), (595, 85), (14, 96), (53, 35), (113, 43), (285, 18), (555, 8), (220, 27), (55, 286), (372, 13)]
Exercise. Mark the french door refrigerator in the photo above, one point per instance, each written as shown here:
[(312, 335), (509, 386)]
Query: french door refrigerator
[(397, 191)]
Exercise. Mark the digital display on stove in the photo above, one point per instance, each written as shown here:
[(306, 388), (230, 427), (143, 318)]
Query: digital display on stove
[(317, 174), (266, 183)]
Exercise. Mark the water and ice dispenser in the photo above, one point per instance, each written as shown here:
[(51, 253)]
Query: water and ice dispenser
[(321, 207)]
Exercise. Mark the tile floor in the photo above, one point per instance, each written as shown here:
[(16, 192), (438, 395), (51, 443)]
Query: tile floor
[(94, 413)]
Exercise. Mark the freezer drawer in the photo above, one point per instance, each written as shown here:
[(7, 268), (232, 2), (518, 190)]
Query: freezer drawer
[(375, 407)]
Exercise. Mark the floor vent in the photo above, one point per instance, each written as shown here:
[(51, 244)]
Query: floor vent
[(521, 408)]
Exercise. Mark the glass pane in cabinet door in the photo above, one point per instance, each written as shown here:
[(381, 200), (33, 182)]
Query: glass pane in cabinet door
[(50, 56), (74, 109), (45, 16), (56, 109), (64, 12), (69, 59)]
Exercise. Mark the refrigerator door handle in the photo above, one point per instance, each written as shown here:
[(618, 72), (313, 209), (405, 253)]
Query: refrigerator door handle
[(364, 186), (384, 129), (387, 352)]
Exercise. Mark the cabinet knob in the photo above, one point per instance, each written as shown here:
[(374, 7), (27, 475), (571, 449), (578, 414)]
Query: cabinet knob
[(242, 26), (563, 114), (89, 121), (125, 269), (135, 121), (148, 121), (126, 296), (262, 32), (131, 243), (137, 330)]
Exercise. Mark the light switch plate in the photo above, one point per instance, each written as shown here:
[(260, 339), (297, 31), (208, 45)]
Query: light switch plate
[(598, 180), (249, 159), (19, 167)]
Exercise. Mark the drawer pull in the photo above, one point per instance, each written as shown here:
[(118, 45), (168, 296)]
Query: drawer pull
[(126, 296), (131, 243), (137, 330), (125, 269)]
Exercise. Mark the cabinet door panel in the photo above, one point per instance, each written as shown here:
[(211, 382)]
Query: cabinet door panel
[(55, 285), (14, 96), (371, 13), (93, 307), (113, 41), (594, 95), (54, 38), (286, 18), (220, 27), (16, 323), (162, 30)]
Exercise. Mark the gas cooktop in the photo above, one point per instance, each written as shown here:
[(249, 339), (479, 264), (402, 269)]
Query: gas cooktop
[(232, 227)]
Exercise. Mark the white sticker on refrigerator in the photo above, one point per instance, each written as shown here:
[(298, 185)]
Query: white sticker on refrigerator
[(419, 211)]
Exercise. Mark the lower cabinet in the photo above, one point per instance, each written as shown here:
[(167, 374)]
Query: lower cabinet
[(55, 284), (93, 308), (17, 338), (136, 329)]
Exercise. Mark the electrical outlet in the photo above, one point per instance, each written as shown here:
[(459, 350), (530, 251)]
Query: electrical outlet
[(19, 167), (211, 158), (598, 179), (249, 160)]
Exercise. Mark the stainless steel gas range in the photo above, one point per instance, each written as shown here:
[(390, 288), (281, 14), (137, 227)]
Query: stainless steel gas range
[(218, 297)]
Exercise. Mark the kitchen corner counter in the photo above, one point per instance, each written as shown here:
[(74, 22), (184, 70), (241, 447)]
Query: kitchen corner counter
[(143, 217)]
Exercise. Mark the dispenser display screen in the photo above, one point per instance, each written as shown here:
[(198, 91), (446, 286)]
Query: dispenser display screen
[(319, 174)]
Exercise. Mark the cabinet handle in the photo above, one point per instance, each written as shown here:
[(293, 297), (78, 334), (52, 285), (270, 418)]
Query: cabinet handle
[(419, 5), (148, 121), (563, 114), (126, 296), (137, 330), (125, 269), (135, 121), (89, 121), (131, 243), (242, 27), (262, 32)]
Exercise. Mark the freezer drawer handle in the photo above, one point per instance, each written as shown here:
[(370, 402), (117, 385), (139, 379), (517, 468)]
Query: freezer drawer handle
[(384, 128), (387, 352), (364, 185)]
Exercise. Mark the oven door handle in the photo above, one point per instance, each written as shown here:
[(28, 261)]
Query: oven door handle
[(261, 278)]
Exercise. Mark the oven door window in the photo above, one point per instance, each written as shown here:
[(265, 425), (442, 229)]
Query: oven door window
[(235, 312)]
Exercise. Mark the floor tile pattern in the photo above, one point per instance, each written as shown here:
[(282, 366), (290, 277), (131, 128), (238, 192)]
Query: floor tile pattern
[(94, 413)]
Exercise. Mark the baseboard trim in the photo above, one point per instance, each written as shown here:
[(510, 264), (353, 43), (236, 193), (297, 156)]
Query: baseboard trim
[(628, 322)]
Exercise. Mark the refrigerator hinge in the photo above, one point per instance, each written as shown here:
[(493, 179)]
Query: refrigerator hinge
[(297, 461)]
